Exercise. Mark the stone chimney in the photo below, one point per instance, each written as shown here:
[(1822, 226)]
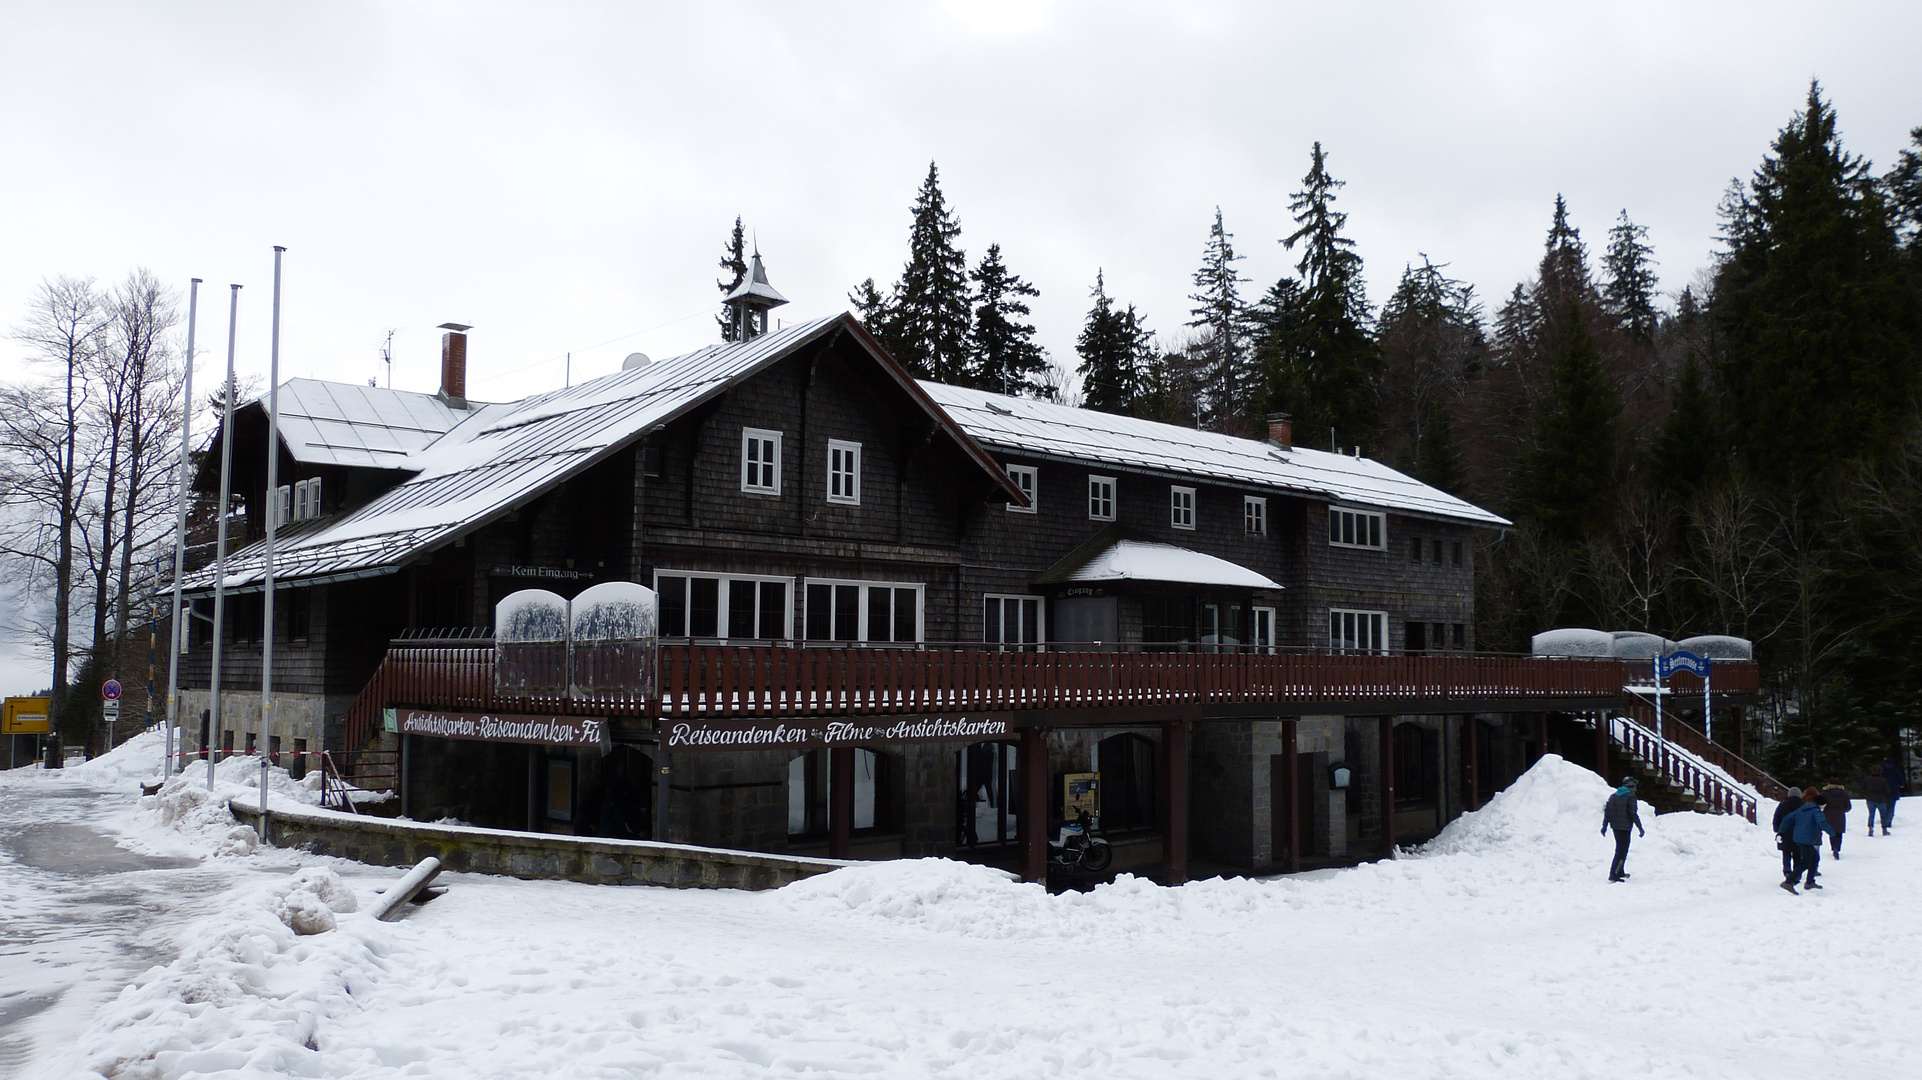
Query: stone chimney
[(1281, 430), (453, 362)]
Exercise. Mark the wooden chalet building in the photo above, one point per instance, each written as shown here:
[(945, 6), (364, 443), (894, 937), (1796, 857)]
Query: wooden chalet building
[(1265, 646)]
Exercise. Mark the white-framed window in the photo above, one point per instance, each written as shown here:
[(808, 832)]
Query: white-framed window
[(307, 499), (1181, 507), (1013, 620), (844, 472), (739, 607), (1357, 528), (283, 505), (1100, 498), (1358, 631), (874, 611), (1254, 515), (1027, 479), (1262, 634), (761, 461)]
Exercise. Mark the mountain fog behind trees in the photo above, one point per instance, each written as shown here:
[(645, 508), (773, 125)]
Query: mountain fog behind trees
[(1742, 455)]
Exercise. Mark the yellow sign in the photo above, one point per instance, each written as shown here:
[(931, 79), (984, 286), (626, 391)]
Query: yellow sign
[(1080, 791), (25, 716)]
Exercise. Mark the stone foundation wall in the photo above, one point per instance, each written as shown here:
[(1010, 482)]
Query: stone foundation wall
[(385, 842)]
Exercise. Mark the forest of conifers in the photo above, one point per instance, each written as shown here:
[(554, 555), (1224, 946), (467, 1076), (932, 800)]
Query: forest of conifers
[(1742, 456)]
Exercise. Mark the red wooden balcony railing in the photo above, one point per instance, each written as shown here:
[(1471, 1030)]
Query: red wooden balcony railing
[(762, 680)]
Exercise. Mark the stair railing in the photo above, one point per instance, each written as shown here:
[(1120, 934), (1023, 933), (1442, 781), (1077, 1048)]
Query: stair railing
[(1682, 768)]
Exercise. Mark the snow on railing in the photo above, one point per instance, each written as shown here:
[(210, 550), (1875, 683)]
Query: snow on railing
[(1687, 770)]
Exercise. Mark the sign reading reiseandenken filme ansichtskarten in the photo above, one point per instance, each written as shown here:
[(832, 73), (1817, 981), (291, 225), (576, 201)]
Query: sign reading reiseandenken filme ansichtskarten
[(695, 735)]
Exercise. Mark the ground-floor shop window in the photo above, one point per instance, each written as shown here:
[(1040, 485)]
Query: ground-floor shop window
[(1417, 765), (877, 793), (989, 784), (873, 611), (735, 607), (1358, 631), (1012, 620), (560, 789), (1126, 763)]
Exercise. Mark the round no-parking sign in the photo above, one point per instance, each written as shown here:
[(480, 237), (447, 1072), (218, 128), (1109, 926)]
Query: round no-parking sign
[(110, 689)]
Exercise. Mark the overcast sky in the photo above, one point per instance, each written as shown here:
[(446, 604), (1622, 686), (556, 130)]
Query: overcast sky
[(563, 176)]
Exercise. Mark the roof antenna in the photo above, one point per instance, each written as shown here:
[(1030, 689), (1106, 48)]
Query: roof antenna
[(387, 356)]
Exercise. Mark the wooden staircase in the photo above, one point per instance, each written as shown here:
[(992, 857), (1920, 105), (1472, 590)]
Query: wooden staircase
[(1682, 770)]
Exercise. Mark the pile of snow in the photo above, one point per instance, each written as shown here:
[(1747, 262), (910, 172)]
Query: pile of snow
[(1573, 641), (251, 990)]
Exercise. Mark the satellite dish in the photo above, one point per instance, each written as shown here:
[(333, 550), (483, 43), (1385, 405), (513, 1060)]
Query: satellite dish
[(635, 360)]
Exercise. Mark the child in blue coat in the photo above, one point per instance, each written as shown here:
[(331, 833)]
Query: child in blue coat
[(1804, 827)]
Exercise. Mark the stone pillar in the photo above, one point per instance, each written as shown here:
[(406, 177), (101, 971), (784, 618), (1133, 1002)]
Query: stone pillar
[(1033, 824), (1387, 785), (840, 800), (1174, 786)]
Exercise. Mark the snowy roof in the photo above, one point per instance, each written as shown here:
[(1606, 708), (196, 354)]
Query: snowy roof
[(329, 423), (1039, 428), (500, 456), (1139, 560)]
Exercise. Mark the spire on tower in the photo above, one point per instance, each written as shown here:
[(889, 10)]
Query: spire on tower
[(752, 299)]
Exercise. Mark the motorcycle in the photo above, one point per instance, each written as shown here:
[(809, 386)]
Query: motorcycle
[(1080, 847)]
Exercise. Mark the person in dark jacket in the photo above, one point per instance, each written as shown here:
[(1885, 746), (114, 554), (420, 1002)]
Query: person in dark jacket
[(1893, 774), (1835, 807), (1876, 794), (1789, 804), (1804, 827), (1620, 812)]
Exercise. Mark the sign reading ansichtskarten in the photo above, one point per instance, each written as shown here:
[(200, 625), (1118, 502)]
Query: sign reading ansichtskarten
[(504, 727), (697, 735)]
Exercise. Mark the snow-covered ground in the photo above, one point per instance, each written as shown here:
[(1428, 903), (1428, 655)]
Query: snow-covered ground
[(1498, 950)]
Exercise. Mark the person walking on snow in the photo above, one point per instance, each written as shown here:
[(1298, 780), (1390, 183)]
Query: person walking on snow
[(1804, 828), (1835, 807), (1879, 798), (1620, 812), (1893, 774), (1789, 804)]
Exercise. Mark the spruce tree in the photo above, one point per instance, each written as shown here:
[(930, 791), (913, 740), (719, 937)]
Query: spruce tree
[(1812, 304), (1904, 187), (1629, 292), (1337, 362), (877, 314), (930, 304), (1565, 474), (1685, 457), (734, 264), (1432, 344), (1004, 357), (1107, 347), (1224, 375)]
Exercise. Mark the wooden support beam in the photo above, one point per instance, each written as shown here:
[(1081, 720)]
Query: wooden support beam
[(1387, 770), (840, 800), (1541, 736), (1472, 760), (1032, 826), (1601, 744), (1290, 795), (1174, 786)]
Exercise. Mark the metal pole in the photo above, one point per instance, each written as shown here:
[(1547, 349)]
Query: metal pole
[(1658, 699), (1708, 699), (180, 534), (273, 520), (220, 532)]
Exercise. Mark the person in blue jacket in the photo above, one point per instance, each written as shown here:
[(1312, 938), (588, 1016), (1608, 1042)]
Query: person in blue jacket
[(1619, 813), (1804, 827)]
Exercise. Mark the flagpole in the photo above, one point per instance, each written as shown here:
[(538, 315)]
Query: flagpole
[(273, 520), (220, 532), (1708, 699), (180, 534)]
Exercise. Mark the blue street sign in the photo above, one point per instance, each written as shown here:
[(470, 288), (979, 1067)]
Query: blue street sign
[(1682, 661)]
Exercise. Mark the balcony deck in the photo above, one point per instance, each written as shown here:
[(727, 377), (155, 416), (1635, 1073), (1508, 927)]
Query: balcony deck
[(1050, 689)]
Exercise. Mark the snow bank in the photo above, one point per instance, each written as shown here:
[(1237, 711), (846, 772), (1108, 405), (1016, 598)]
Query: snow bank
[(250, 990), (1572, 641)]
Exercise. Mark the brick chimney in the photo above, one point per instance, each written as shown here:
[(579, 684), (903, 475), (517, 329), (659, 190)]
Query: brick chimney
[(1281, 430), (453, 361)]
